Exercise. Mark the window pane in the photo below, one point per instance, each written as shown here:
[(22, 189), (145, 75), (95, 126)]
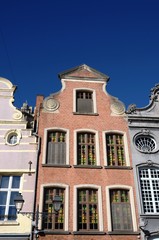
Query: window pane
[(2, 212), (3, 198), (4, 181), (16, 182), (12, 197), (12, 213)]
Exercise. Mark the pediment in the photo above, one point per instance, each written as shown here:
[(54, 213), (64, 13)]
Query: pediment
[(83, 72)]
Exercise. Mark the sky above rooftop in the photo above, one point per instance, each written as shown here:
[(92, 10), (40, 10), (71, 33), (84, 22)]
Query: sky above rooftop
[(41, 38)]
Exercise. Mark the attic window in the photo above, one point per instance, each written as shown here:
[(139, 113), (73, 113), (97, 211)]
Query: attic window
[(84, 101)]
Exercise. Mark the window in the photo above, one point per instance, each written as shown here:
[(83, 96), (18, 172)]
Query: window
[(56, 147), (53, 221), (149, 183), (84, 102), (9, 188), (87, 209), (145, 144), (115, 149), (86, 154), (12, 139), (120, 210)]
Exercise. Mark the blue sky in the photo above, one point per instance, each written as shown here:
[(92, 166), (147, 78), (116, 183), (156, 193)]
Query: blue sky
[(41, 38)]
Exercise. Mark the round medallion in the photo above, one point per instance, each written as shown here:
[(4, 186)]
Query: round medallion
[(117, 107), (50, 104)]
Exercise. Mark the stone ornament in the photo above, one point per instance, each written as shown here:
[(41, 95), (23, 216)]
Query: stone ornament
[(17, 115), (50, 104), (117, 107)]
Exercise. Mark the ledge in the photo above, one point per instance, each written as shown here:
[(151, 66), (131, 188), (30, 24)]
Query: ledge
[(119, 167), (9, 223), (152, 216), (89, 233), (56, 165), (86, 114), (47, 232), (123, 233), (87, 166)]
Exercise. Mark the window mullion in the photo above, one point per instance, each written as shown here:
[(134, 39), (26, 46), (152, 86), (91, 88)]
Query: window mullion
[(152, 191), (8, 197)]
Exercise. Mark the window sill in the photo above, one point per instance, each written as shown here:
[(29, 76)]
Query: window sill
[(49, 232), (89, 233), (123, 233), (56, 165), (9, 223), (87, 166), (146, 215), (89, 114), (119, 167)]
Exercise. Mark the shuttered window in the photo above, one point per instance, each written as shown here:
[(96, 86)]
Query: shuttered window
[(56, 148), (86, 149), (51, 220), (120, 210), (87, 209), (115, 149), (84, 102)]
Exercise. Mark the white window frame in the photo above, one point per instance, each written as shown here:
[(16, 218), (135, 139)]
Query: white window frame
[(108, 205), (10, 133), (66, 207), (75, 199), (9, 190), (151, 188), (75, 90), (96, 144), (126, 149), (46, 130)]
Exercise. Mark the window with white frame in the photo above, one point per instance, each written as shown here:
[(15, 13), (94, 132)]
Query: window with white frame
[(149, 184), (56, 147), (84, 101), (9, 188), (120, 210), (53, 221), (115, 149)]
